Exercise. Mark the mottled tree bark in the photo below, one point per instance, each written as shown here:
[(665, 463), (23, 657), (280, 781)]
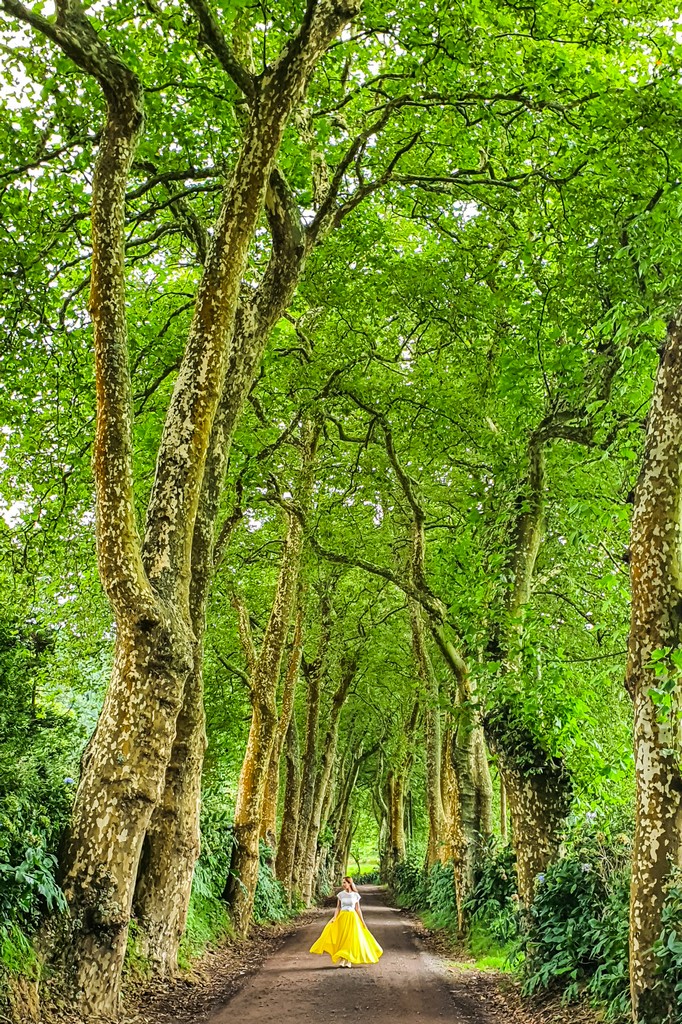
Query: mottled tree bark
[(172, 842), (435, 849), (268, 829), (656, 580), (263, 677), (397, 845), (164, 888), (539, 791), (472, 803), (313, 674), (381, 800), (448, 788), (286, 847), (539, 800), (323, 777), (341, 816), (393, 807)]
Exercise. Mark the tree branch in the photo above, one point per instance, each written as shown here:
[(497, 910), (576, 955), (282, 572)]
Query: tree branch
[(245, 634), (118, 544), (214, 37)]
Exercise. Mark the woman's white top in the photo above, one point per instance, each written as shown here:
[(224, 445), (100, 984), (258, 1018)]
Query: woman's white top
[(348, 900)]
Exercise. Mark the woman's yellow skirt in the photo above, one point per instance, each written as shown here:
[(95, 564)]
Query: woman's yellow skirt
[(346, 938)]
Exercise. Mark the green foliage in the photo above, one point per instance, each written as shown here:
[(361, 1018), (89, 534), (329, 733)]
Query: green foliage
[(411, 884), (668, 948), (492, 907), (27, 890), (432, 893), (371, 877), (217, 843), (30, 887), (17, 956), (208, 924), (576, 939), (270, 902), (441, 897)]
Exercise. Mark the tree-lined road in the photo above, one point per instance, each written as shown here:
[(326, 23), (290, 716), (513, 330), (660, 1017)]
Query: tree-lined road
[(297, 987)]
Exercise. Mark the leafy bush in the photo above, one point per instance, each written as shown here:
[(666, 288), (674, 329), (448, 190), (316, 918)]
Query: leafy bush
[(27, 890), (30, 887), (208, 922), (410, 884), (368, 878), (270, 901), (441, 901), (577, 937), (217, 843), (668, 949), (432, 892), (493, 905)]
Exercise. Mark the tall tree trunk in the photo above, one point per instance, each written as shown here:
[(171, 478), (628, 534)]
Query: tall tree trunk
[(539, 793), (348, 670), (472, 803), (322, 862), (263, 677), (313, 674), (341, 815), (435, 850), (538, 802), (286, 848), (396, 806), (100, 894), (124, 769), (656, 580), (172, 842), (448, 789), (268, 830), (348, 841), (382, 813), (163, 894), (396, 785)]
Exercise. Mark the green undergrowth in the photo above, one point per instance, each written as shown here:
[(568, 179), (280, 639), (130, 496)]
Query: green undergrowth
[(17, 956), (369, 876), (490, 940), (270, 902), (208, 926), (208, 920), (28, 890), (572, 942)]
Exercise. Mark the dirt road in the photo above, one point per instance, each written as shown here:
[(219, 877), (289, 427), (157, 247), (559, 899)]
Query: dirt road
[(407, 985)]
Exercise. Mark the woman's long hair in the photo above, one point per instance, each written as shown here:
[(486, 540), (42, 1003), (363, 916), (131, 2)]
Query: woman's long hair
[(347, 878)]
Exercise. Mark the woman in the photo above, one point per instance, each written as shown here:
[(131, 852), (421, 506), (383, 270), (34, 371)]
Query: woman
[(346, 937)]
